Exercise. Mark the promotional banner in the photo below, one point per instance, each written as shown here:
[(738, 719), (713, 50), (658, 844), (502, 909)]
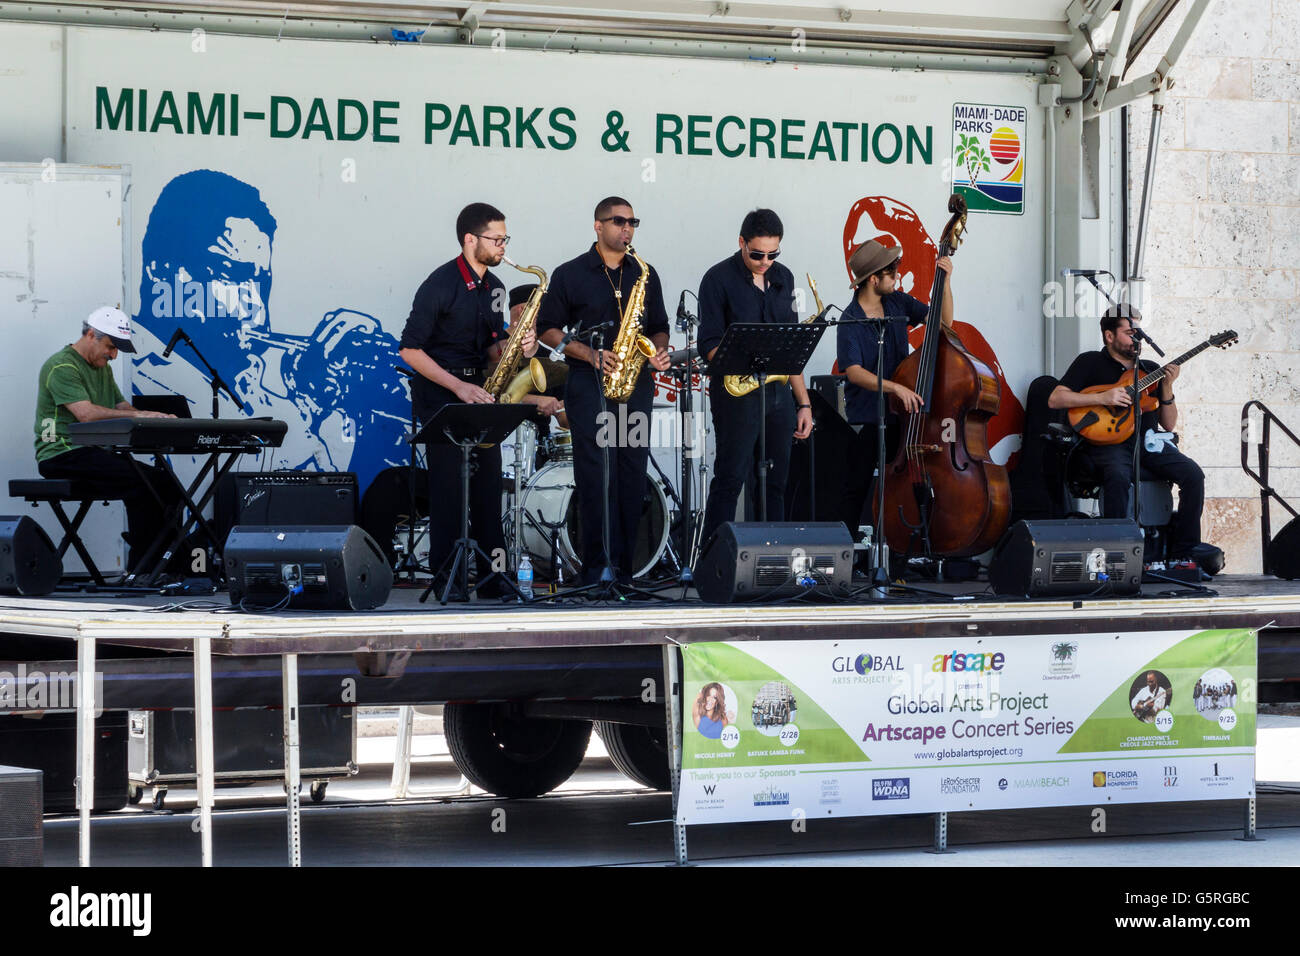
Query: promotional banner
[(777, 729)]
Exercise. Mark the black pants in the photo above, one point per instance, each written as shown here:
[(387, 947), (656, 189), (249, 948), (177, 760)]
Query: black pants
[(737, 424), (114, 475), (446, 503), (1114, 463), (627, 436), (856, 502)]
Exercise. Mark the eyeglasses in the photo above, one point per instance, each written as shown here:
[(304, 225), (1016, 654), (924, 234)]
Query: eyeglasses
[(760, 256), (621, 221), (500, 241)]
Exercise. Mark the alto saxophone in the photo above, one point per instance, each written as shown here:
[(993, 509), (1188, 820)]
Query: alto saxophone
[(513, 352), (739, 386), (630, 346)]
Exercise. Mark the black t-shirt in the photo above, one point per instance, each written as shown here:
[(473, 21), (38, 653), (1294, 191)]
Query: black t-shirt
[(728, 294), (1100, 368), (581, 295), (455, 318)]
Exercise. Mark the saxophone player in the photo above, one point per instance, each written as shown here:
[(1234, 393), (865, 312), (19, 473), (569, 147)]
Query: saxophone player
[(452, 338), (585, 292), (750, 286)]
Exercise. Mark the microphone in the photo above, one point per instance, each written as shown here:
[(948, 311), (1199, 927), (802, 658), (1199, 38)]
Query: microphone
[(684, 318), (176, 337), (557, 353), (1086, 273)]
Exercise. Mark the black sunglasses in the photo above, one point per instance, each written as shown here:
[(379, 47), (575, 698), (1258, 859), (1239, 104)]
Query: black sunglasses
[(621, 221), (760, 256)]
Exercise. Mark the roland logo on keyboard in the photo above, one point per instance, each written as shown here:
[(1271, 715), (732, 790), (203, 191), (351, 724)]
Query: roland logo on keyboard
[(208, 440)]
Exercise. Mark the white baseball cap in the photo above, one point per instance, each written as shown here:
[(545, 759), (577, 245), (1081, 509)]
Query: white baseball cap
[(113, 323)]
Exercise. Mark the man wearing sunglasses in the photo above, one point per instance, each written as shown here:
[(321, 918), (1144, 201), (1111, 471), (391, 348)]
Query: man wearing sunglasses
[(453, 338), (750, 286), (874, 268), (584, 293)]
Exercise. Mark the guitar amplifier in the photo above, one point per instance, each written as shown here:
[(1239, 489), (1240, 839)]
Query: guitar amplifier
[(285, 497)]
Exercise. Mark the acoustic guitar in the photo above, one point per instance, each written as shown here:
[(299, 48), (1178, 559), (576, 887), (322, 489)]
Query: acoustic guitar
[(1112, 424)]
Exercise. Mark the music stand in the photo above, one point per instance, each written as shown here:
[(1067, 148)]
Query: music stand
[(762, 349), (467, 427)]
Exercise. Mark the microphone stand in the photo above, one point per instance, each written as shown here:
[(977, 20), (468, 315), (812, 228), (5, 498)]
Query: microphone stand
[(216, 382)]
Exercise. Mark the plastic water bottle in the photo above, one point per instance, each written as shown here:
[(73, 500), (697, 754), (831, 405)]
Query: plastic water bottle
[(524, 577)]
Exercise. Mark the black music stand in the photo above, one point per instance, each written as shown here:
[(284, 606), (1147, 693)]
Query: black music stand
[(762, 349), (467, 427)]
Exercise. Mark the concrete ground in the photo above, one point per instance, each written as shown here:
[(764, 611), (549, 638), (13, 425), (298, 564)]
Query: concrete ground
[(600, 818)]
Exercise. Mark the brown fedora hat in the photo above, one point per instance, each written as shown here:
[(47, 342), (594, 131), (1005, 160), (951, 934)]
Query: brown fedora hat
[(869, 258)]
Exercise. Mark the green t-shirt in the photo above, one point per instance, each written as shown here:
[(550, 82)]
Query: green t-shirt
[(67, 377)]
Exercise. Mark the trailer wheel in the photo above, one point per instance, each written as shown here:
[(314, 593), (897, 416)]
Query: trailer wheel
[(159, 797), (641, 753), (318, 791), (513, 756)]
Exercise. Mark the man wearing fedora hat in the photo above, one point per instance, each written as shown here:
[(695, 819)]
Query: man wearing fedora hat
[(874, 268), (76, 385)]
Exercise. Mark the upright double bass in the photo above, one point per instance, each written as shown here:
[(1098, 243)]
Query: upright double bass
[(943, 496)]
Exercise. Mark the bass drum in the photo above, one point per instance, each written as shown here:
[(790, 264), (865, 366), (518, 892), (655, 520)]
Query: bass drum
[(550, 500)]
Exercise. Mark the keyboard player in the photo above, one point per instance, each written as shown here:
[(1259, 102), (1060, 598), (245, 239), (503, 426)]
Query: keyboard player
[(77, 385)]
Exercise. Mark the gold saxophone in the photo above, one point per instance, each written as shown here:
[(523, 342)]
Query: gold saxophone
[(630, 346), (505, 373), (740, 385)]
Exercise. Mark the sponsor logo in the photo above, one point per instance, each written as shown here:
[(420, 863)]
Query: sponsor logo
[(959, 785), (891, 788), (1002, 783), (975, 663), (772, 797), (710, 788), (1064, 658), (866, 668), (1115, 779), (1041, 783), (1217, 779), (830, 793), (1169, 775)]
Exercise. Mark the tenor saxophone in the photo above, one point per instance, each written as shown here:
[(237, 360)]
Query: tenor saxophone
[(513, 353), (630, 346), (739, 386)]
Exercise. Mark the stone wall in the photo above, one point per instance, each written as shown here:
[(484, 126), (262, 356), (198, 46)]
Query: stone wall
[(1224, 246)]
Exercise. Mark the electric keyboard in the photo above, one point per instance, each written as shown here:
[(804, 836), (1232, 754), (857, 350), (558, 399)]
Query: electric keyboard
[(180, 435)]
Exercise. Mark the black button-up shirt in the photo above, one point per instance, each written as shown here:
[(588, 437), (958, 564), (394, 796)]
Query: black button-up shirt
[(728, 294), (581, 295), (855, 344), (455, 318)]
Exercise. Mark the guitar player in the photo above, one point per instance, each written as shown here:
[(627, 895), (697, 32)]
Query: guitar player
[(1114, 463)]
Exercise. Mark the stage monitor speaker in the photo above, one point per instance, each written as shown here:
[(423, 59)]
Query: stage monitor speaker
[(765, 560), (1283, 552), (29, 562), (1069, 557), (312, 566), (285, 497), (22, 833)]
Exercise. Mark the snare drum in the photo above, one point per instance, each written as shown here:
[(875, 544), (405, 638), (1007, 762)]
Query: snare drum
[(559, 445), (551, 498)]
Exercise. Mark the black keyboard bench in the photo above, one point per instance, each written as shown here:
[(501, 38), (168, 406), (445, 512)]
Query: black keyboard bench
[(59, 491)]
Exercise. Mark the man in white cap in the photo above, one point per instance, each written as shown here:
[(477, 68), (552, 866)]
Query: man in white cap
[(76, 385), (874, 267)]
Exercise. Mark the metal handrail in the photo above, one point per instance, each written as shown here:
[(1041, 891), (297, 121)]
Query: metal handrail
[(1267, 492)]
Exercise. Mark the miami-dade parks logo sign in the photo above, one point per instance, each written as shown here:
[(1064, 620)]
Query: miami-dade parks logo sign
[(988, 156)]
